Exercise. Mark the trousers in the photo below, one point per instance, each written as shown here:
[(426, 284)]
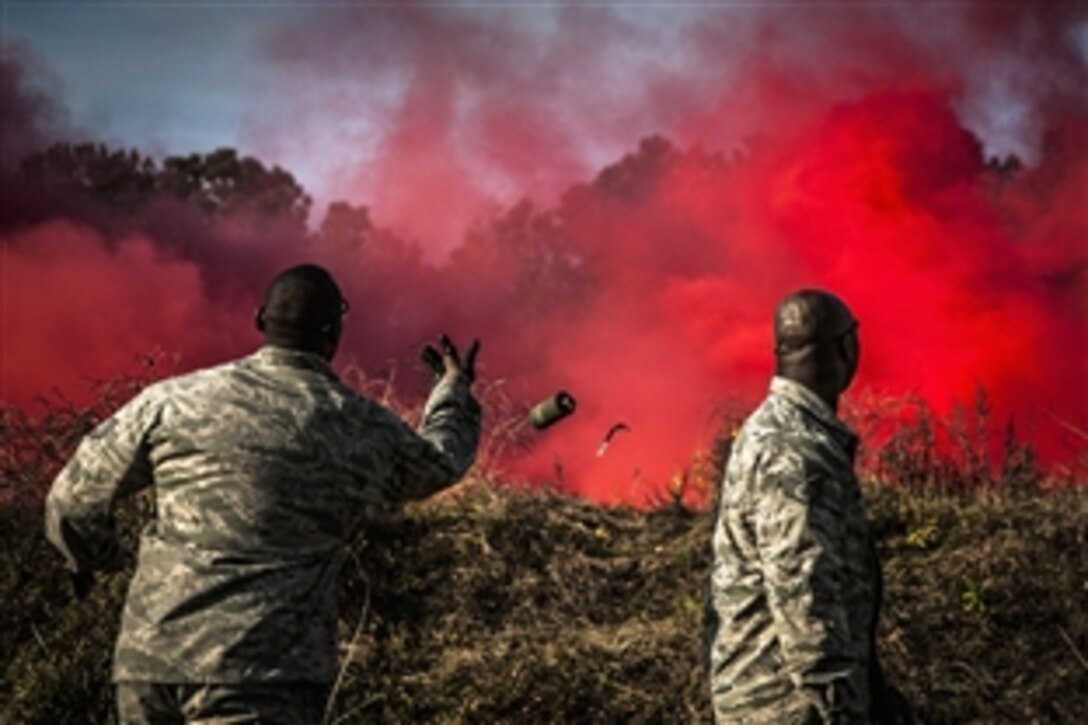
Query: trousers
[(153, 703)]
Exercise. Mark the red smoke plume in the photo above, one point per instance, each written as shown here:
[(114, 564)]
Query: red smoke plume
[(647, 292)]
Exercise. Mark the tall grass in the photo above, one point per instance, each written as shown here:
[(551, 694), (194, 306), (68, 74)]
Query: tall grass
[(502, 604)]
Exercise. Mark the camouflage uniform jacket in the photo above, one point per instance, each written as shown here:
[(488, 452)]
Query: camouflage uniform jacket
[(260, 470), (794, 581)]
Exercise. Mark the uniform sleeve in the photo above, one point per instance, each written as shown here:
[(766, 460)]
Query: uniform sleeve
[(110, 462), (442, 450), (800, 541)]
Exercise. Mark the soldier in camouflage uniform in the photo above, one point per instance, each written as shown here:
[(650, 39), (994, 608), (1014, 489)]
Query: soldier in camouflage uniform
[(260, 468), (794, 589)]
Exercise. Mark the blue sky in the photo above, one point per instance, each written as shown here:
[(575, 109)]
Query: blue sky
[(170, 77), (167, 77)]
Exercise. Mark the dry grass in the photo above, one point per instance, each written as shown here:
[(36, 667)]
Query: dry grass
[(503, 605)]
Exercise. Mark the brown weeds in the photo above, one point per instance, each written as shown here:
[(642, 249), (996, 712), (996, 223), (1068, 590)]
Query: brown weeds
[(509, 605)]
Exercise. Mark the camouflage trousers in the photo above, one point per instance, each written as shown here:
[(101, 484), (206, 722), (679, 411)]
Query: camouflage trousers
[(791, 710), (152, 703)]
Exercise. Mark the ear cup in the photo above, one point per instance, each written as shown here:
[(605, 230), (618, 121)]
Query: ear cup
[(259, 319)]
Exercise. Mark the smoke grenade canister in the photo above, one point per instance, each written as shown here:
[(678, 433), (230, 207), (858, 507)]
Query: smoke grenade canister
[(552, 410)]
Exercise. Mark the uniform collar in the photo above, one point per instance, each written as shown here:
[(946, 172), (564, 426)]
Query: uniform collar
[(814, 405), (286, 357)]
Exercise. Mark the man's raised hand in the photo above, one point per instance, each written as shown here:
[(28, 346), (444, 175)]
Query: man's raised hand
[(448, 362)]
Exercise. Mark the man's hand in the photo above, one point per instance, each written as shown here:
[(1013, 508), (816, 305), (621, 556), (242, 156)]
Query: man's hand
[(448, 363)]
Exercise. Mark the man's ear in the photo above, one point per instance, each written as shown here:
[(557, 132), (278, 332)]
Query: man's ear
[(258, 318)]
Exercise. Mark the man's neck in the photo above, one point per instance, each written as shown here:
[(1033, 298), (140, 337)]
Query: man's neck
[(824, 389)]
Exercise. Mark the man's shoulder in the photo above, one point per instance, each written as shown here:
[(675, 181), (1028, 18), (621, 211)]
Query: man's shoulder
[(773, 426), (225, 373), (780, 446), (772, 440), (155, 393), (207, 389)]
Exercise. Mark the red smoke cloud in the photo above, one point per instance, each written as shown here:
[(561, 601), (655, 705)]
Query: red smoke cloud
[(887, 201), (83, 311), (647, 292)]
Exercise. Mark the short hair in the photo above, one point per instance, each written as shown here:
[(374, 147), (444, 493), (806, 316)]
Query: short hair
[(810, 317), (300, 305)]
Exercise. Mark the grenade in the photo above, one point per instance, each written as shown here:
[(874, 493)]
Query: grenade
[(552, 410)]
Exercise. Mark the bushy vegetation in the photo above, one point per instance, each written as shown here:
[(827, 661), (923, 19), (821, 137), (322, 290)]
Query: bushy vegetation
[(500, 604)]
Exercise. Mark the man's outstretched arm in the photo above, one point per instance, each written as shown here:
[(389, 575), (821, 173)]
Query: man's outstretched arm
[(444, 447), (110, 462)]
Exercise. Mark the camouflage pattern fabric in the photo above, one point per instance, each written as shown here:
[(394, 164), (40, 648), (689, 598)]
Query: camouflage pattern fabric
[(146, 703), (794, 578), (261, 468)]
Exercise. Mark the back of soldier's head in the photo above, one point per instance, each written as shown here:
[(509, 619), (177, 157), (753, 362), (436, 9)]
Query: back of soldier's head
[(810, 318), (302, 307)]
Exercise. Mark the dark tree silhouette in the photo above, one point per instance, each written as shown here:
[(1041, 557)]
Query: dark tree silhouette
[(219, 184)]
